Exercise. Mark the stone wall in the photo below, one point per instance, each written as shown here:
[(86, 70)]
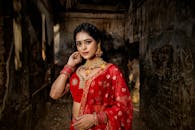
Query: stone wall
[(165, 30), (2, 68), (23, 89)]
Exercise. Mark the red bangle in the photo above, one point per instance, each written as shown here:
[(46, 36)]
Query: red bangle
[(67, 70), (102, 118), (65, 73)]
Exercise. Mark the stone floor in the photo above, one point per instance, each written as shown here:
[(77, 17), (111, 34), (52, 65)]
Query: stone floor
[(138, 124), (59, 115)]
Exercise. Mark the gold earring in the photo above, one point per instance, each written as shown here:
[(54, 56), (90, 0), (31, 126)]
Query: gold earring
[(99, 51)]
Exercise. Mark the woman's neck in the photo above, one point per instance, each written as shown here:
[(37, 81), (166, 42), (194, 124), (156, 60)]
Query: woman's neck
[(93, 59), (94, 62)]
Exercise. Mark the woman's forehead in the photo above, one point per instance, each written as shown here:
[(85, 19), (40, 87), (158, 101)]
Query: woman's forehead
[(80, 36)]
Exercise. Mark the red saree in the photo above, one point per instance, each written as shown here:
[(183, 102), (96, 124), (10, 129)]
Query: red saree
[(105, 92)]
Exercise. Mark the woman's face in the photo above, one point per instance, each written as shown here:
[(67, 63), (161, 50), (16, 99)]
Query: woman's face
[(86, 45)]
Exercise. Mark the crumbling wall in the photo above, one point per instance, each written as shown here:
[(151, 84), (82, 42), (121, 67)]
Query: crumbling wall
[(165, 30), (23, 87)]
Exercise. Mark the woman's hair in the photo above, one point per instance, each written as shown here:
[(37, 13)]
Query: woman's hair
[(92, 30)]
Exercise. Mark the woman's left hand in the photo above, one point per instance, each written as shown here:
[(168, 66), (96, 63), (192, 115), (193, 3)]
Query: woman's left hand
[(84, 122)]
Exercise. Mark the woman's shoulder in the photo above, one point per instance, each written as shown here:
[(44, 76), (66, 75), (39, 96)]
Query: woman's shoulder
[(113, 68), (73, 75), (111, 65)]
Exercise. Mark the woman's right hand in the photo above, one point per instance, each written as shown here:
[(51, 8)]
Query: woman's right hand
[(74, 59)]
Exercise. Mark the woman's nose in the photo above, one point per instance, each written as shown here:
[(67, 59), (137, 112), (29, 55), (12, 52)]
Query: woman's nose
[(84, 46)]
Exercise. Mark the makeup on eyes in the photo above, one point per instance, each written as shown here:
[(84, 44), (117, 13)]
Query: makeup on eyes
[(86, 41)]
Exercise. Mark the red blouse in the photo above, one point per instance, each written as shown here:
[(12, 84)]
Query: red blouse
[(105, 92), (74, 88)]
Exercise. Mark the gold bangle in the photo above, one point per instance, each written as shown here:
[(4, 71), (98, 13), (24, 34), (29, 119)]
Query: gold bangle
[(95, 119), (65, 73)]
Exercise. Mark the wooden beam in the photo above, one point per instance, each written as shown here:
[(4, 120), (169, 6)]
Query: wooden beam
[(99, 8)]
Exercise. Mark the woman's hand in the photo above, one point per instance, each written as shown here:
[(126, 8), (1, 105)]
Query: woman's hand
[(74, 59), (84, 122)]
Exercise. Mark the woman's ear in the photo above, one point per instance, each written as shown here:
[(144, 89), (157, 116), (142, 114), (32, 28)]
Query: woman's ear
[(99, 52)]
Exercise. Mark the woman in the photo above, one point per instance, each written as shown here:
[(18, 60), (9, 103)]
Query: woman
[(101, 99)]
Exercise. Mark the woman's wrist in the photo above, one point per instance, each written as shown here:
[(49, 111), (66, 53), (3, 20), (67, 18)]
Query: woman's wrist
[(95, 120), (71, 64), (67, 70), (100, 118)]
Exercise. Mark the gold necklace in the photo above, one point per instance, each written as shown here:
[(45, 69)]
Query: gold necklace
[(88, 67), (93, 64)]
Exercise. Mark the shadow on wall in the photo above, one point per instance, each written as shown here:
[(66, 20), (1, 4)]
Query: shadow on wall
[(168, 81)]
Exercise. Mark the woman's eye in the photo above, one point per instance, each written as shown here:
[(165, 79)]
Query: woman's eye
[(87, 42), (78, 44)]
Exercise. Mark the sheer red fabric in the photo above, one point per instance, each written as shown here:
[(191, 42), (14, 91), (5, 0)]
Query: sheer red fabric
[(106, 92)]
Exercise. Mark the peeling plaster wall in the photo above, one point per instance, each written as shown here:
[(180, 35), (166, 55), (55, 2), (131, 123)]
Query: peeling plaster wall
[(165, 30), (2, 68), (23, 91)]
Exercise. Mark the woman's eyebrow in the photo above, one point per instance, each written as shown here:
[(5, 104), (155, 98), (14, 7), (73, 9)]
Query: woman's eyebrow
[(85, 40), (88, 39)]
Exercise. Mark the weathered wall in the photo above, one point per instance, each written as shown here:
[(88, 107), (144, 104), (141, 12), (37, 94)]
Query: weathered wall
[(15, 92), (2, 67), (165, 30), (23, 89)]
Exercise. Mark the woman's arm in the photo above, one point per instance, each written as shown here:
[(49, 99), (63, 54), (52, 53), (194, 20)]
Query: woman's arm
[(59, 85)]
